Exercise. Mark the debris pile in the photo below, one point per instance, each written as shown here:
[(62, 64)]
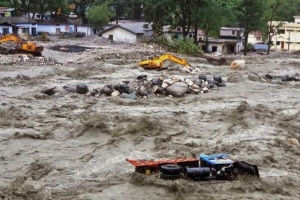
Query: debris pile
[(31, 60), (95, 39), (285, 78)]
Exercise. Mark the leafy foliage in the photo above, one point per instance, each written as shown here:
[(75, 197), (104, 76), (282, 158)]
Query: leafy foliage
[(98, 15), (180, 45), (250, 13)]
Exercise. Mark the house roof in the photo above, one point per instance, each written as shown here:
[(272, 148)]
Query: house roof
[(256, 33), (135, 27), (2, 9), (201, 32), (6, 24), (231, 28), (16, 20), (9, 9), (220, 40)]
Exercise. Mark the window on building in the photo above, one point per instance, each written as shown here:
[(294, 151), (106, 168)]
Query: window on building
[(214, 48), (233, 32), (281, 32), (25, 30), (5, 31), (277, 43), (258, 38)]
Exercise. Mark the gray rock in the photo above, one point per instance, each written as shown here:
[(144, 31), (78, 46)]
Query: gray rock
[(269, 76), (140, 77), (178, 89), (82, 88), (122, 88), (48, 91), (157, 81), (107, 90), (202, 77), (218, 78), (285, 78), (205, 89), (254, 77), (198, 82), (69, 88), (129, 96)]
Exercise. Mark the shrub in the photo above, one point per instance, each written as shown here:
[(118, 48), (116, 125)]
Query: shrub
[(185, 46)]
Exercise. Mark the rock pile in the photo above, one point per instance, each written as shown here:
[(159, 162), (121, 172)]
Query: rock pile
[(143, 87), (175, 86)]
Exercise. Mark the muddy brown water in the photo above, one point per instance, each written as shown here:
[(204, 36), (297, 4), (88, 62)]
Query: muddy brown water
[(71, 146)]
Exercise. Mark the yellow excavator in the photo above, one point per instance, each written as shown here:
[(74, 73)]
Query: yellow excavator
[(157, 62), (22, 45)]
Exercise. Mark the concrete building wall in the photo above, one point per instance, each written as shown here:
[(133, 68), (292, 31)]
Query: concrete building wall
[(253, 39), (224, 47), (85, 29), (120, 35), (28, 28), (6, 28), (288, 37), (227, 32), (55, 29)]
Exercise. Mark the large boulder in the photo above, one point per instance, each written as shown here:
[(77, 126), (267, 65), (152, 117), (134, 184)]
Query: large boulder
[(178, 89), (122, 88), (82, 88)]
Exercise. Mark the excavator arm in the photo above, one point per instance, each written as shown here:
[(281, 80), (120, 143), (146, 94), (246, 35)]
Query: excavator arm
[(22, 45), (155, 62)]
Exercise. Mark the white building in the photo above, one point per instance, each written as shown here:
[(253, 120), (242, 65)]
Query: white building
[(288, 37), (130, 32), (230, 41), (255, 37)]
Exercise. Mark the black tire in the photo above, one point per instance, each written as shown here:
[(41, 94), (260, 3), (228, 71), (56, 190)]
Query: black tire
[(170, 177), (170, 169)]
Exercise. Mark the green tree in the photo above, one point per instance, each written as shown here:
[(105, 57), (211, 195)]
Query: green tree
[(159, 13), (98, 15), (272, 9), (250, 13), (287, 10), (209, 20), (183, 11), (6, 3)]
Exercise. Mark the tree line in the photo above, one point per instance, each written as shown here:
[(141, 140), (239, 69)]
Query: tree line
[(190, 15)]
